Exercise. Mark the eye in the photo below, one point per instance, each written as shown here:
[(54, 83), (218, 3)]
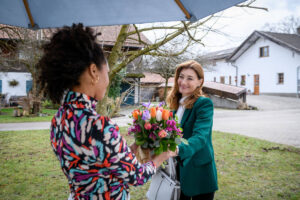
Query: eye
[(181, 77), (190, 79)]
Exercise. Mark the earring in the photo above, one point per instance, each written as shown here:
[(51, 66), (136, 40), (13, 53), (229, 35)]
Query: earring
[(93, 83), (97, 79)]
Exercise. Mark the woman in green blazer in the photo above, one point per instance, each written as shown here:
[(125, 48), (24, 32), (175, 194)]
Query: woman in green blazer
[(197, 168)]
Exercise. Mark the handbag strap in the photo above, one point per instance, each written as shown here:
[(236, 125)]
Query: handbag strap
[(172, 169)]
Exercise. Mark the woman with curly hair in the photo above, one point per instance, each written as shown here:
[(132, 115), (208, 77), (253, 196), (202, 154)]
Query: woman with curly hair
[(93, 155), (197, 168)]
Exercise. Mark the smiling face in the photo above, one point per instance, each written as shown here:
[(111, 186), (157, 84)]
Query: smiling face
[(188, 81)]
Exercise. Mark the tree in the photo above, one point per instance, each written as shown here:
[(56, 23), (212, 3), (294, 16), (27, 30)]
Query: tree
[(287, 25), (165, 66), (119, 59), (191, 32), (23, 48)]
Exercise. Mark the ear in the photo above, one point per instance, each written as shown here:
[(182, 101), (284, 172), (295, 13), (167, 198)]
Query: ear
[(92, 69), (201, 81)]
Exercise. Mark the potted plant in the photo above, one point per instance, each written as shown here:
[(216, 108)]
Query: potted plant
[(13, 83)]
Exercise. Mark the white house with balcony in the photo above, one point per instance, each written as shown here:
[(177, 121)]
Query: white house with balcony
[(265, 63)]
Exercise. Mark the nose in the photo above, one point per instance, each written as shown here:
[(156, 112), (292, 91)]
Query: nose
[(183, 82)]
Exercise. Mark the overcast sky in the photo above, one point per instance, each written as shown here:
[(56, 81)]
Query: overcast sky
[(239, 23)]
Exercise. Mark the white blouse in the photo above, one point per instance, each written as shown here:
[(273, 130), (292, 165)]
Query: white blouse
[(181, 109)]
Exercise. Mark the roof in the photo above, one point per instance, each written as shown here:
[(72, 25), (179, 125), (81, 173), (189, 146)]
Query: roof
[(108, 35), (217, 86), (224, 87), (154, 78), (223, 90), (216, 55), (291, 41), (170, 84), (13, 66)]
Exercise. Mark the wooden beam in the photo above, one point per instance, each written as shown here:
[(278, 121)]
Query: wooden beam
[(29, 13), (180, 5)]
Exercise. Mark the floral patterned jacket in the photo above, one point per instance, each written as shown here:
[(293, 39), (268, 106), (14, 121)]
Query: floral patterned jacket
[(93, 155)]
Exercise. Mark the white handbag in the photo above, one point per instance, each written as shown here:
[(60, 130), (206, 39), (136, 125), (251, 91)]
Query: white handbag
[(164, 184)]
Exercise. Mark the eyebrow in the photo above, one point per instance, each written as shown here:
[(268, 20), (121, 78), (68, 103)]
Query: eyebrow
[(187, 75)]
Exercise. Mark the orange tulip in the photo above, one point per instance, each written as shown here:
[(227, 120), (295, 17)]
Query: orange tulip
[(171, 114), (135, 114), (153, 112), (165, 114)]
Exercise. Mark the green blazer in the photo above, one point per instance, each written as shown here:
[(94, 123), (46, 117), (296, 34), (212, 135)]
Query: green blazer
[(198, 173)]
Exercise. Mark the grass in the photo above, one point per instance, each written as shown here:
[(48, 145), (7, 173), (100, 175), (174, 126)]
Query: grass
[(247, 168), (6, 116)]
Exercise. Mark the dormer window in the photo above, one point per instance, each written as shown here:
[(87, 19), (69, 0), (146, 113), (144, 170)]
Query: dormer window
[(264, 51)]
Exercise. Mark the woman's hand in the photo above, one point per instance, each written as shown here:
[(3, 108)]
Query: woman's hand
[(133, 147), (159, 159)]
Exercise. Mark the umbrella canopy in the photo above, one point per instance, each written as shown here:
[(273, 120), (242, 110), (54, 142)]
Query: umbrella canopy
[(57, 13)]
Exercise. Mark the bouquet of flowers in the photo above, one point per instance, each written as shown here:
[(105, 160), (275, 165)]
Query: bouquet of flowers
[(155, 130)]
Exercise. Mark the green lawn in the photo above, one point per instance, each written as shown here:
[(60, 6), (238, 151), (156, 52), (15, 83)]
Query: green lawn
[(247, 168), (6, 116)]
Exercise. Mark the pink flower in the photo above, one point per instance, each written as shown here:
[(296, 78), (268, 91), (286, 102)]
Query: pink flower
[(162, 134), (147, 126)]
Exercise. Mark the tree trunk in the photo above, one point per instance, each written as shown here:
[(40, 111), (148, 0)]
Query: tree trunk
[(102, 105), (36, 107), (36, 98)]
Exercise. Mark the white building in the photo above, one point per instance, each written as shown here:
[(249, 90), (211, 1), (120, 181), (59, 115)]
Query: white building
[(265, 63), (15, 82)]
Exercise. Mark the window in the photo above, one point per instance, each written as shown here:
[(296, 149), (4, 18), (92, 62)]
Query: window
[(243, 80), (229, 80), (28, 86), (222, 79), (215, 79), (264, 51), (280, 78)]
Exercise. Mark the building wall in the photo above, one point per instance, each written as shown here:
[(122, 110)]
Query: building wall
[(221, 68), (280, 60), (20, 89)]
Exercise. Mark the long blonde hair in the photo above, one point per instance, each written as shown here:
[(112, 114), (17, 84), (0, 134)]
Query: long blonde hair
[(175, 95)]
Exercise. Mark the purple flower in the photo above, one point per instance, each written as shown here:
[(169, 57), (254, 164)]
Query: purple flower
[(147, 105), (137, 128), (131, 130), (161, 104), (154, 126), (169, 129), (146, 115), (152, 136), (171, 123)]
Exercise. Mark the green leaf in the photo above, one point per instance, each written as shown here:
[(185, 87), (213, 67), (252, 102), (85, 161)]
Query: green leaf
[(159, 150), (139, 141), (164, 145), (173, 146)]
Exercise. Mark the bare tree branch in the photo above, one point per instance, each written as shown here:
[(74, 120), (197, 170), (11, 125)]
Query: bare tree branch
[(248, 5)]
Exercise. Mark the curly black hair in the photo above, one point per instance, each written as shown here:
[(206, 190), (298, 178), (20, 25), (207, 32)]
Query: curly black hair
[(70, 51)]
